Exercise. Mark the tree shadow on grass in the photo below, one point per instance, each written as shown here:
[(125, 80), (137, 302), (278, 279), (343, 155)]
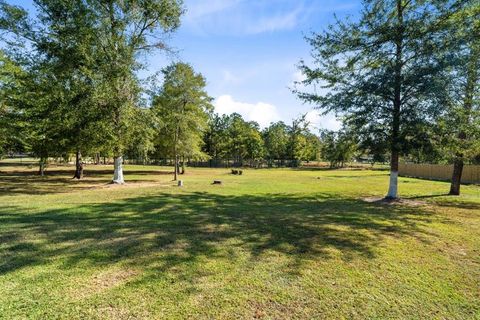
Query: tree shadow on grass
[(162, 232), (60, 181)]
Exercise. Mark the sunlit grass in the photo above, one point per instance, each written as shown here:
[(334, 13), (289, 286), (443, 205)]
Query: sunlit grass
[(278, 243)]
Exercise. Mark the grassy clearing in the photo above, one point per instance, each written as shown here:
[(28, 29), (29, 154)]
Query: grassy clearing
[(270, 244)]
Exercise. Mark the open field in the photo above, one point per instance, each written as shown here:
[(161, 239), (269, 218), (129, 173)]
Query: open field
[(271, 244)]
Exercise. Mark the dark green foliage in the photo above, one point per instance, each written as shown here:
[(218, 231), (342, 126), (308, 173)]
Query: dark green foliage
[(276, 138), (338, 148), (181, 108), (231, 137)]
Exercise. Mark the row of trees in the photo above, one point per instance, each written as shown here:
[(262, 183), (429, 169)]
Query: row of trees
[(404, 74), (69, 73), (231, 137)]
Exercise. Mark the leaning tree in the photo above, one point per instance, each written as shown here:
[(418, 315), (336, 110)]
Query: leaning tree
[(380, 71)]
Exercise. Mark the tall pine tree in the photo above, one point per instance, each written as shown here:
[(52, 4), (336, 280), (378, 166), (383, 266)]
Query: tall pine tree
[(380, 72)]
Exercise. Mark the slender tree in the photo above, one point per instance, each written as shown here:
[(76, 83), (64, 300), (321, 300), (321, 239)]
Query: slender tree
[(461, 121), (182, 107), (12, 127), (276, 138), (216, 138)]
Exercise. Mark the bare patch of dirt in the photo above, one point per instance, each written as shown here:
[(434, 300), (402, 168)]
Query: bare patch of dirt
[(398, 201), (118, 313), (104, 281), (129, 185)]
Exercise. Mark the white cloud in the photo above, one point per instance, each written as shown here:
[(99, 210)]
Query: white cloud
[(318, 121), (261, 112)]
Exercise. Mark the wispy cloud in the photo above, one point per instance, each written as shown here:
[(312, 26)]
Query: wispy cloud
[(199, 9), (242, 17), (280, 21)]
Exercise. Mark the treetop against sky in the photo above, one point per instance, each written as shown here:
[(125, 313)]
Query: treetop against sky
[(248, 51)]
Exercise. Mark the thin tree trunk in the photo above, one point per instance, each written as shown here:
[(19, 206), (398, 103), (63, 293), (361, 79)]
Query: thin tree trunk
[(456, 176), (41, 170), (175, 152), (78, 166), (175, 168)]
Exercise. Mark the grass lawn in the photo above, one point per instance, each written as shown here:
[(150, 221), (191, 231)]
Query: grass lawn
[(271, 244)]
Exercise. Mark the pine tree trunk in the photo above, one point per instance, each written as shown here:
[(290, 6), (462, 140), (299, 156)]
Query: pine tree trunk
[(78, 166), (456, 176), (118, 171), (397, 102), (393, 185)]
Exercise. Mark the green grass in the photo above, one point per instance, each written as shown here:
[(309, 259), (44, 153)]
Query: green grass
[(271, 244)]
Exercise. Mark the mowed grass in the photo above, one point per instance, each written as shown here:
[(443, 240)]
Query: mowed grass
[(270, 244)]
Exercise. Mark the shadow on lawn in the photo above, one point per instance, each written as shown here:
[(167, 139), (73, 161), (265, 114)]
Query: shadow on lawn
[(58, 181), (161, 232)]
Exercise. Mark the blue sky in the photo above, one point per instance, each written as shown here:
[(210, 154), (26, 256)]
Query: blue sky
[(248, 49)]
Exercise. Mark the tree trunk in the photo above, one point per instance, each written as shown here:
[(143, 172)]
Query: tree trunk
[(78, 166), (41, 170), (456, 176), (118, 171), (397, 102), (393, 185), (175, 168)]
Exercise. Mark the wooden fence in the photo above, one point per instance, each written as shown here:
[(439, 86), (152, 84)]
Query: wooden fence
[(471, 173)]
